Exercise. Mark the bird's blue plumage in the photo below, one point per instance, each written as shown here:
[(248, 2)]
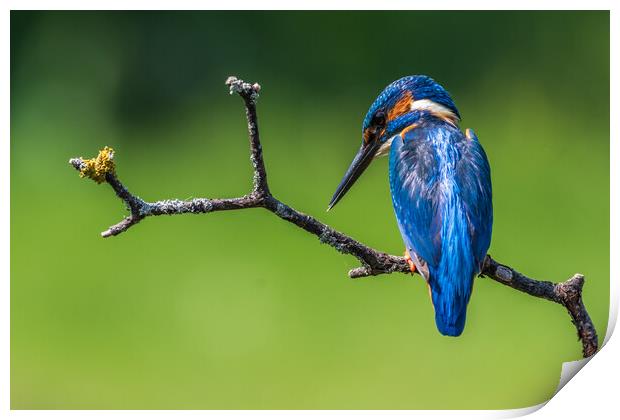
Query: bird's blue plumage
[(441, 191)]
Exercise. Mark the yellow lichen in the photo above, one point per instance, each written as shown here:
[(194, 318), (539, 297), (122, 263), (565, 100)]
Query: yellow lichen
[(97, 168)]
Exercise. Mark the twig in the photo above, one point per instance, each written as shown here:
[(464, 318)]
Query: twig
[(567, 294)]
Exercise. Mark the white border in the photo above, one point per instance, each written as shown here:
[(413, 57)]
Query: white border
[(593, 394)]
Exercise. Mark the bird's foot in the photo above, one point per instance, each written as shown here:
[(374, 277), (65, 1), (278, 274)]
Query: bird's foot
[(410, 261)]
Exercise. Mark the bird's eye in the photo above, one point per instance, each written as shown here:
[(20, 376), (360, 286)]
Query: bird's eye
[(379, 118)]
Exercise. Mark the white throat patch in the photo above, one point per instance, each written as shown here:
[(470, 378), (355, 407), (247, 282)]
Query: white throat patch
[(384, 149), (436, 109)]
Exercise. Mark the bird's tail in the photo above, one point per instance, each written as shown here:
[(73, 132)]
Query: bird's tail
[(450, 314), (451, 281)]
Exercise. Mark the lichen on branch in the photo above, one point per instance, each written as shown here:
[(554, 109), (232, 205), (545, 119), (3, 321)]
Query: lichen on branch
[(98, 167)]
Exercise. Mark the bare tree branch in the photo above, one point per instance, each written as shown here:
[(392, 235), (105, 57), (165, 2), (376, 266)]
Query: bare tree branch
[(101, 169)]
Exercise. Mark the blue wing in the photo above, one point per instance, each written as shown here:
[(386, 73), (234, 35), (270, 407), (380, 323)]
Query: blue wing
[(441, 191), (413, 178), (473, 176)]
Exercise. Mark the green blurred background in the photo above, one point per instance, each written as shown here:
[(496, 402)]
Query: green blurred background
[(241, 310)]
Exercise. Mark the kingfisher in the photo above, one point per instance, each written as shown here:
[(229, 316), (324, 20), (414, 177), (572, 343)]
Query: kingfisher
[(440, 182)]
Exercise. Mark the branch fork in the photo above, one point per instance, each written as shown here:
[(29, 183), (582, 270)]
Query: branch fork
[(373, 262)]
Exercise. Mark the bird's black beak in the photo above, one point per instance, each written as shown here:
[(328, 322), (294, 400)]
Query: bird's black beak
[(360, 163)]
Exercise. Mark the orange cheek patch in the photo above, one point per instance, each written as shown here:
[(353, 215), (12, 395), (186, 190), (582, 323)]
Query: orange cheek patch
[(401, 107)]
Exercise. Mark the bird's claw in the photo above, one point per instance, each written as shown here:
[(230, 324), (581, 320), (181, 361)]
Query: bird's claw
[(412, 266)]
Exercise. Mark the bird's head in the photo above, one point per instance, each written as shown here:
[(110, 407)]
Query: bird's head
[(402, 105)]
